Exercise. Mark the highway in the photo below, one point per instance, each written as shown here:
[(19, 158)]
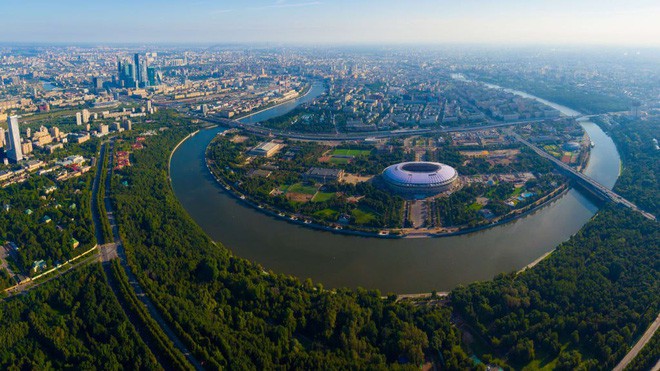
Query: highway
[(133, 281), (639, 345), (96, 218), (354, 136), (585, 180), (115, 250)]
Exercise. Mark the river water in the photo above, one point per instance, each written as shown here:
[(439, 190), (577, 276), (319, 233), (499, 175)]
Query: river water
[(390, 265)]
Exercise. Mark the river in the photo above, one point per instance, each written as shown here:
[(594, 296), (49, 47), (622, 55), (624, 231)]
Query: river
[(390, 265)]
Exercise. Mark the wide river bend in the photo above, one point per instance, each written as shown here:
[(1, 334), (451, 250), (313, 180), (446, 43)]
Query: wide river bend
[(390, 265)]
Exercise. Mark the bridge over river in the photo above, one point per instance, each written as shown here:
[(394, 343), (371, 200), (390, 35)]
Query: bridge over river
[(588, 183)]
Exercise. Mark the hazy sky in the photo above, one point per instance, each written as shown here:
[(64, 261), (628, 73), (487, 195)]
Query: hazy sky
[(623, 22)]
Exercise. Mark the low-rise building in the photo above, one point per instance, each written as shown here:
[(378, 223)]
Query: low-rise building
[(266, 149), (323, 175)]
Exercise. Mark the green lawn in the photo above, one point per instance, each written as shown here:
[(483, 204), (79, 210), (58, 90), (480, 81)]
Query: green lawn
[(327, 214), (339, 161), (475, 206), (362, 216), (323, 196), (517, 192), (301, 188), (351, 152)]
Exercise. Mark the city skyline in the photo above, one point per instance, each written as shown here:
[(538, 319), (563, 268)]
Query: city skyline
[(338, 22)]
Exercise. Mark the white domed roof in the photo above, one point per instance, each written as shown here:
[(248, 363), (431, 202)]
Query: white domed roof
[(420, 173)]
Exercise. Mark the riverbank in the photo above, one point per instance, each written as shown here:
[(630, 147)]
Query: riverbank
[(309, 221), (292, 218), (267, 107), (169, 160), (401, 265)]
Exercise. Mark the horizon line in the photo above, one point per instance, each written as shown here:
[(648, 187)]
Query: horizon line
[(332, 43)]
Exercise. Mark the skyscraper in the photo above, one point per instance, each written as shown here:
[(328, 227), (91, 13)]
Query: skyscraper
[(14, 151), (120, 67), (97, 82), (135, 72), (138, 70), (78, 118), (2, 137), (126, 73), (144, 72)]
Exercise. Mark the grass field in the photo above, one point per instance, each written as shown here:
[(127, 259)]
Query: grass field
[(323, 196), (327, 214), (301, 188), (339, 161), (475, 206), (362, 216), (351, 152)]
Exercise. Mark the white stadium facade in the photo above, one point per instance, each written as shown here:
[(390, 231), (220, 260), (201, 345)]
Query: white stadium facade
[(420, 179)]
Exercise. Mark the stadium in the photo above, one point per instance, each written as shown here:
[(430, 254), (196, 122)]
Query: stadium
[(420, 179)]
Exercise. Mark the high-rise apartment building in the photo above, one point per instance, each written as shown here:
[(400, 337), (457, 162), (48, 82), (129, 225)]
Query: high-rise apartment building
[(14, 150), (85, 115)]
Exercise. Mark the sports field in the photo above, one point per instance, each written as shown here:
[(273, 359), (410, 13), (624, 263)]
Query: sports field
[(351, 152)]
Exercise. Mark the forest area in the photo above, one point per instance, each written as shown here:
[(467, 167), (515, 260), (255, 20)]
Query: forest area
[(232, 312), (580, 308), (72, 321), (584, 305)]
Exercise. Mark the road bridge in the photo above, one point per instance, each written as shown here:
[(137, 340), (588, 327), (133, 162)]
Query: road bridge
[(585, 181), (354, 136)]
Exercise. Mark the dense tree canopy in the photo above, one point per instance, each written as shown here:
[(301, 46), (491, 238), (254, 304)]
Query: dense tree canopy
[(585, 304), (72, 321), (641, 160), (232, 312), (592, 296), (581, 308)]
